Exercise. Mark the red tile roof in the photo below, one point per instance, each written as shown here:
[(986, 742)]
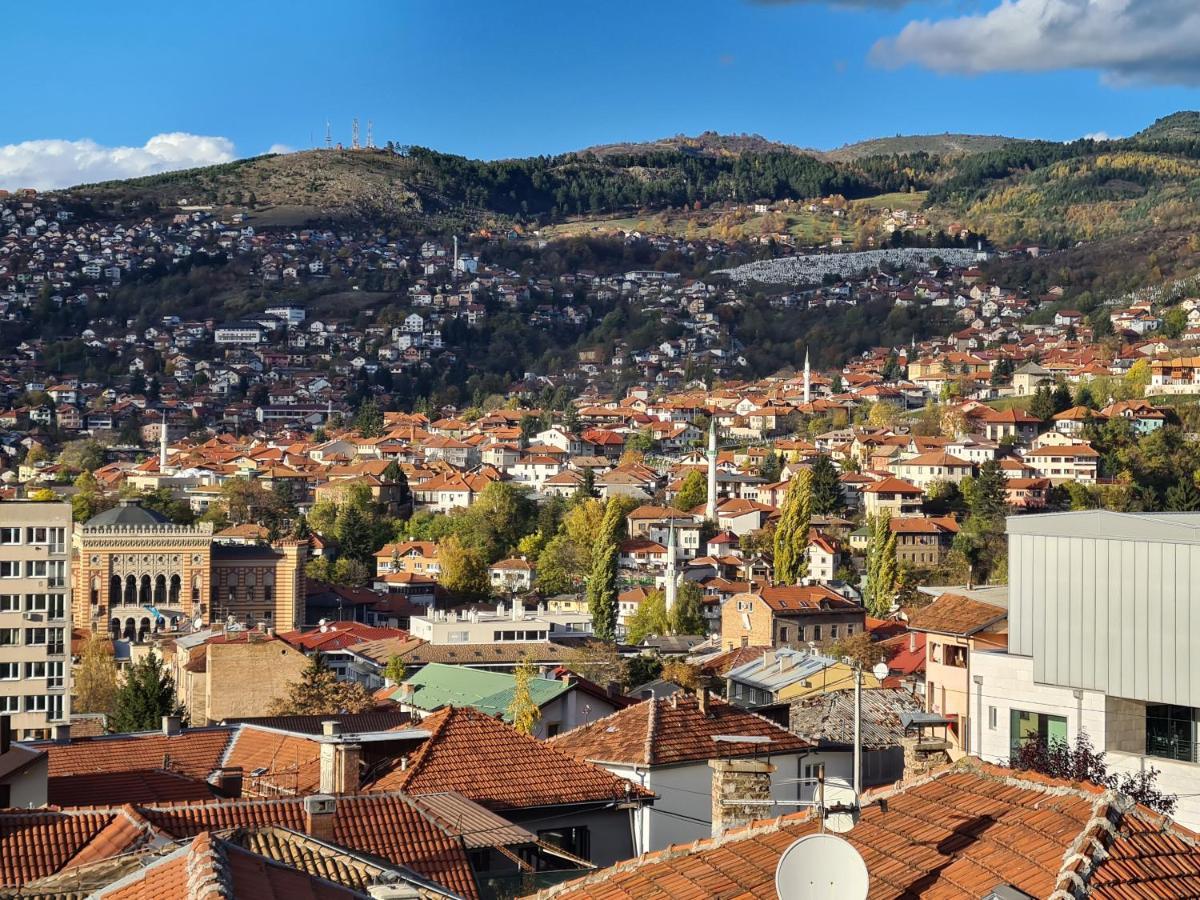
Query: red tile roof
[(479, 757), (671, 731), (132, 786), (194, 752), (36, 844), (956, 614), (958, 833)]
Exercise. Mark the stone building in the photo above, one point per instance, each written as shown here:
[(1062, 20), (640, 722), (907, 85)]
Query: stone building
[(136, 573)]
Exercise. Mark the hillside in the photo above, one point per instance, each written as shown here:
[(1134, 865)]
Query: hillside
[(709, 143), (933, 144)]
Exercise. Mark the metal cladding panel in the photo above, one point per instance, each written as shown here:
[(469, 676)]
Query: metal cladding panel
[(1109, 613)]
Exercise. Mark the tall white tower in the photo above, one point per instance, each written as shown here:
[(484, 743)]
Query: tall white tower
[(672, 571), (710, 510), (807, 379), (162, 445)]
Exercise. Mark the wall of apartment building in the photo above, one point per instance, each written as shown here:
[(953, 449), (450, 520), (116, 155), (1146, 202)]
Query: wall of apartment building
[(35, 615), (1114, 725), (246, 678), (1108, 601)]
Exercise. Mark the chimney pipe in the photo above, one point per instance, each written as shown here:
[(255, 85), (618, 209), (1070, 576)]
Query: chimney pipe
[(319, 813), (172, 725), (702, 701), (734, 782), (339, 768), (62, 733), (331, 728)]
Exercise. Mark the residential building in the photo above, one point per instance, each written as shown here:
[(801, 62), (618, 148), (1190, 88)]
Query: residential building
[(35, 616), (788, 615)]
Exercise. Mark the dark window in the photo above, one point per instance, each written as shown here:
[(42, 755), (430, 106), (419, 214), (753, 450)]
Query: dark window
[(1171, 732), (576, 840), (1025, 726)]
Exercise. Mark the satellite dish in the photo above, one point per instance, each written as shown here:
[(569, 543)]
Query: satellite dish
[(821, 866), (198, 624), (324, 628), (839, 793), (880, 671)]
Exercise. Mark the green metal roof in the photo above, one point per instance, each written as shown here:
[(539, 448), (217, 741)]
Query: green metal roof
[(437, 685)]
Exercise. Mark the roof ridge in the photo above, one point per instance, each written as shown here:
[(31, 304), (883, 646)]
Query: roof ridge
[(207, 869), (651, 729), (1090, 847)]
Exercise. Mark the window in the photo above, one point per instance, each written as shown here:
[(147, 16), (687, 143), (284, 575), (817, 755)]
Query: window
[(458, 637), (37, 535), (37, 568), (10, 671), (1171, 732), (1026, 726), (35, 670), (833, 632), (35, 637), (10, 637), (10, 602), (991, 718), (10, 704), (10, 535), (35, 602), (36, 703), (785, 634), (816, 632), (10, 569), (576, 840), (57, 606)]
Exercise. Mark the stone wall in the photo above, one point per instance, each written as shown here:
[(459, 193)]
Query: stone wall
[(733, 782)]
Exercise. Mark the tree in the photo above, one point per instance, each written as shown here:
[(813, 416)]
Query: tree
[(687, 616), (771, 468), (318, 692), (355, 536), (88, 500), (681, 672), (602, 592), (596, 661), (985, 493), (350, 572), (1042, 405), (95, 680), (463, 568), (396, 671), (826, 486), (880, 570), (369, 420), (791, 534), (641, 669), (693, 491), (1082, 762), (1183, 497), (523, 712), (649, 620), (860, 649), (147, 695), (1061, 398)]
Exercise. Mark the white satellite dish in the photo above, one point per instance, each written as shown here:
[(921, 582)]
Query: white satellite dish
[(880, 671), (821, 867), (198, 624), (840, 793)]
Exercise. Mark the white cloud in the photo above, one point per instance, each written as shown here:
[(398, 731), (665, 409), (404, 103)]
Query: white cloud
[(281, 148), (1125, 40), (49, 164), (1100, 136)]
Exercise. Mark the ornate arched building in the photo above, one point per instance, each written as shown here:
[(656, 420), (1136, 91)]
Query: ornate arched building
[(136, 573)]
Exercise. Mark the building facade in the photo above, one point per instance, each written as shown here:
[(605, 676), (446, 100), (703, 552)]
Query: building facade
[(35, 616), (137, 574)]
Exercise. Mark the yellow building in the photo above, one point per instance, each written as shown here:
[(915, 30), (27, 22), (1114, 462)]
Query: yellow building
[(136, 573)]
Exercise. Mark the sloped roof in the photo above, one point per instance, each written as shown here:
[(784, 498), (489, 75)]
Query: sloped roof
[(958, 833), (956, 614), (438, 685), (480, 758), (671, 731), (829, 717)]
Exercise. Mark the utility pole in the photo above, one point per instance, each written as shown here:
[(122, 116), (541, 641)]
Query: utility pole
[(857, 733)]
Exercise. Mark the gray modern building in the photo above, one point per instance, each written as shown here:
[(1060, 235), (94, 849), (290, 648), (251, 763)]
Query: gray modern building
[(1104, 638)]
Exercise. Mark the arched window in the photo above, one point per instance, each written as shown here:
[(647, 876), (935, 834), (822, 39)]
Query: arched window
[(176, 586), (130, 591), (95, 590), (145, 596), (114, 594), (160, 590)]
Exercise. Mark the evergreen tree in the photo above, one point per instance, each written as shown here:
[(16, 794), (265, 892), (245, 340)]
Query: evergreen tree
[(318, 692), (771, 467), (687, 616), (1042, 405), (587, 487), (1061, 398), (1183, 497), (881, 570), (791, 534), (602, 592), (147, 695), (355, 534), (985, 493), (369, 420), (693, 491), (826, 486), (523, 712)]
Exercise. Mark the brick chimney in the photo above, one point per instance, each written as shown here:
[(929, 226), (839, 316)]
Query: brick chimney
[(735, 781), (319, 812), (702, 701), (339, 767)]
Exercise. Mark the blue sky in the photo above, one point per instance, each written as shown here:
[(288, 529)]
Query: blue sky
[(492, 79)]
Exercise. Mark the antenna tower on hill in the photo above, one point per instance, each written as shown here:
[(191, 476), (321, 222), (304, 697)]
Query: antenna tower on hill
[(328, 135), (370, 135), (354, 134)]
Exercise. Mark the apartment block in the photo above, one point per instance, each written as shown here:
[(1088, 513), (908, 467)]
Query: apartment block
[(35, 616), (1104, 639)]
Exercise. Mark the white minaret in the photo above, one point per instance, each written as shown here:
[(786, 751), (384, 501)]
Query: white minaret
[(807, 379), (672, 573), (710, 510), (162, 445)]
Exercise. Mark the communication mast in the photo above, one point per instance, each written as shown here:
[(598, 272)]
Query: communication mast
[(328, 135), (354, 134), (370, 135)]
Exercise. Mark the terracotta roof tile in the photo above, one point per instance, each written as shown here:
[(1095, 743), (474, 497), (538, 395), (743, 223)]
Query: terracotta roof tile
[(957, 833), (673, 730), (477, 756), (956, 614), (194, 752)]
